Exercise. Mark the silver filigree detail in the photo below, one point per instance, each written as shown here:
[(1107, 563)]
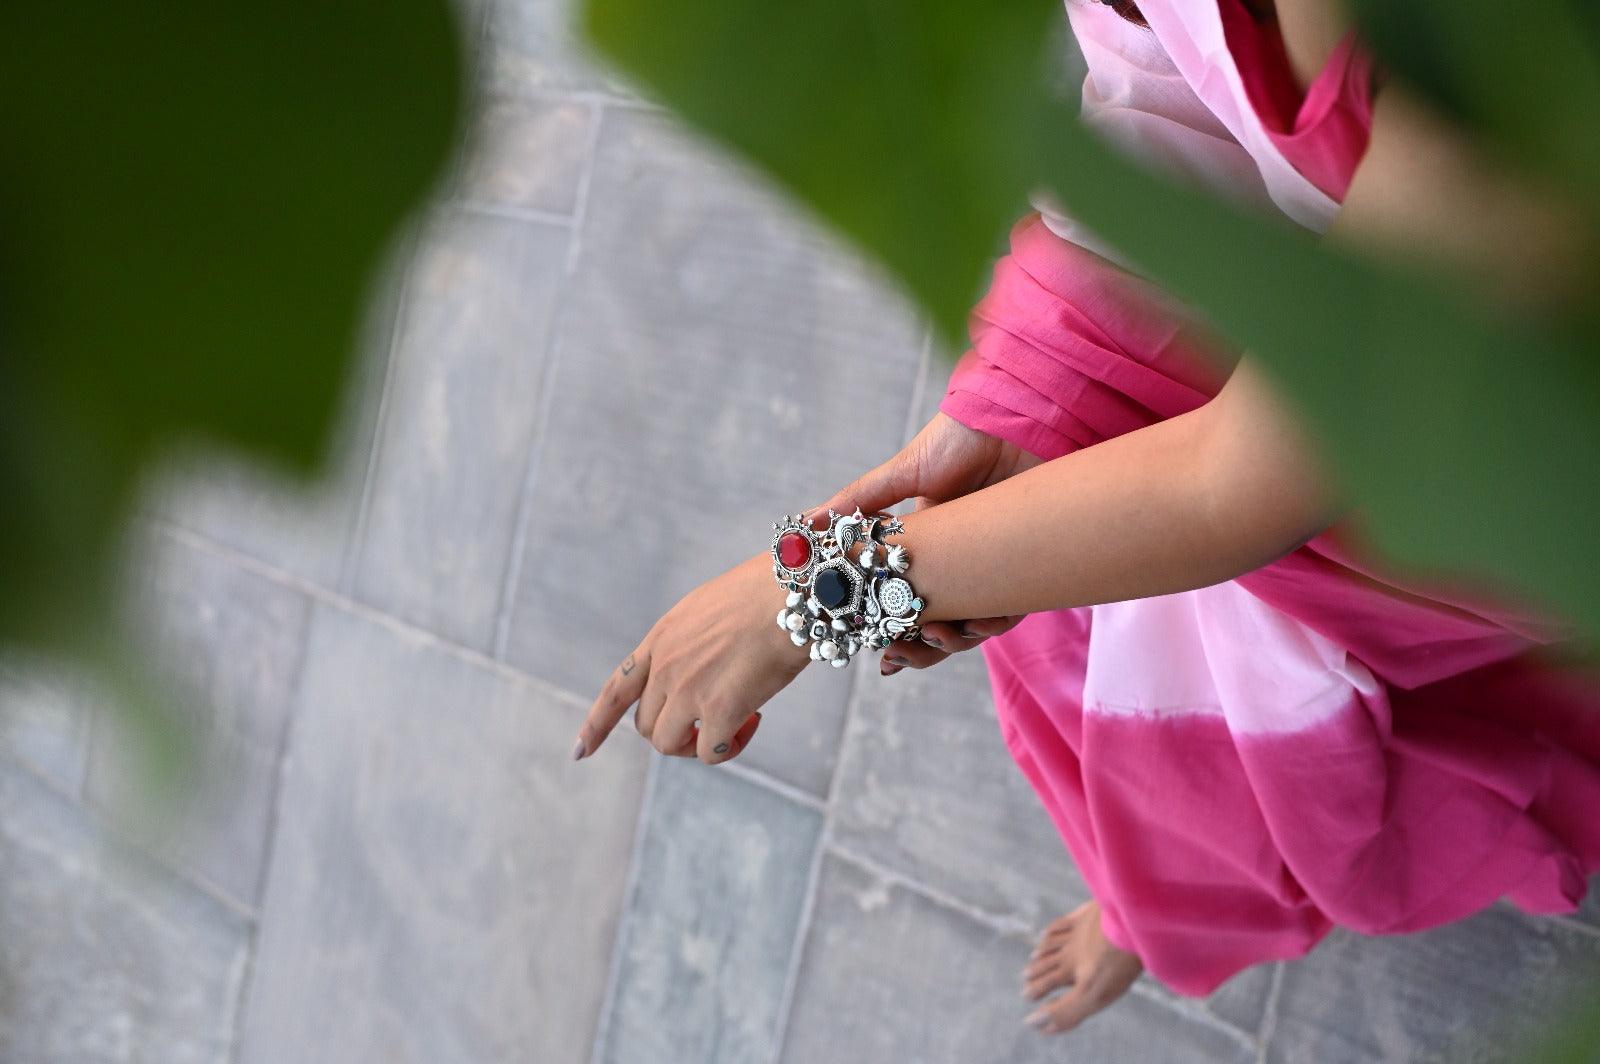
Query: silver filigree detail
[(879, 609), (895, 597)]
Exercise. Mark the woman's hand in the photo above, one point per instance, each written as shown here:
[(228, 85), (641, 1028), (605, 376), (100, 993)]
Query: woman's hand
[(945, 461), (712, 661)]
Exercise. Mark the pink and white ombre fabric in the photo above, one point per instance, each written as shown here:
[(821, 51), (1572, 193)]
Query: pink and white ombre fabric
[(1239, 768)]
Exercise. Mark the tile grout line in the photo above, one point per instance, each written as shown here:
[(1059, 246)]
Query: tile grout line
[(580, 201), (602, 1034), (1195, 1010), (112, 833), (791, 981), (918, 388), (469, 655), (773, 784), (802, 928), (356, 608), (1269, 1017), (508, 211), (95, 814), (270, 844), (350, 556), (999, 923), (44, 779), (506, 609), (593, 97)]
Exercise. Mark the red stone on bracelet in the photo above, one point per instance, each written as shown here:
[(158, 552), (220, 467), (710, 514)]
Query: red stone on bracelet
[(794, 550)]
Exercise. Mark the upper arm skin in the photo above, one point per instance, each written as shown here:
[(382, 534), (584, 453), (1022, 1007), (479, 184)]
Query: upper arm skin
[(1427, 195), (1264, 471), (1423, 193)]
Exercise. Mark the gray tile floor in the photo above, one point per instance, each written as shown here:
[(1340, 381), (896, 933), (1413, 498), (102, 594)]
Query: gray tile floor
[(584, 373)]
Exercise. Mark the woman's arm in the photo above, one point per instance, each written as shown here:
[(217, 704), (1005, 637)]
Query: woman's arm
[(1220, 491), (1185, 503), (1432, 198)]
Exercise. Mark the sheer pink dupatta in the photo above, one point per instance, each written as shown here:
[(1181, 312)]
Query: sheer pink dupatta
[(1237, 768)]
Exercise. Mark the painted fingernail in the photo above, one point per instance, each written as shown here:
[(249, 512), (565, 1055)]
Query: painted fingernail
[(932, 642), (579, 750)]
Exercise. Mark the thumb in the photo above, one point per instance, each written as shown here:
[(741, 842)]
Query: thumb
[(877, 489)]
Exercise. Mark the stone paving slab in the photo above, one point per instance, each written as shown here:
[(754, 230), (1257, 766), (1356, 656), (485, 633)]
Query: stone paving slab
[(446, 881), (227, 644), (1469, 992), (302, 527), (459, 422), (712, 364), (1589, 911), (889, 975), (107, 959), (928, 790), (46, 713), (721, 877), (532, 45), (527, 154)]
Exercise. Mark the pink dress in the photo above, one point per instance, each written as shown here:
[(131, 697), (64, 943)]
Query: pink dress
[(1239, 768)]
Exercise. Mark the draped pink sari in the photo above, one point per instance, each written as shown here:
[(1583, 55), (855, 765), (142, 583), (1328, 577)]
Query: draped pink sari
[(1239, 768)]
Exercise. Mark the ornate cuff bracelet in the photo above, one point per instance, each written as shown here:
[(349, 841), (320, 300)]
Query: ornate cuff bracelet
[(846, 591)]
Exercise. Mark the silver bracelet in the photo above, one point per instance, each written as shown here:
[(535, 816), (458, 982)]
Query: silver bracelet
[(845, 584)]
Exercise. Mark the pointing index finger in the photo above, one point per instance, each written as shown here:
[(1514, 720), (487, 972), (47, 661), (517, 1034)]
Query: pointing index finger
[(622, 689)]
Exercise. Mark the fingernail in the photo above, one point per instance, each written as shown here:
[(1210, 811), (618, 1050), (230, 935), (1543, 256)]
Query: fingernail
[(932, 642), (1037, 1018), (888, 668), (968, 633), (896, 660), (579, 750)]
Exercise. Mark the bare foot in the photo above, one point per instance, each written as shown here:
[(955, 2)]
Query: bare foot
[(1072, 953)]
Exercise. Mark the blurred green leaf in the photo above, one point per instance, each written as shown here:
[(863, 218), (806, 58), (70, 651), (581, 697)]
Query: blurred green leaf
[(193, 198), (1576, 1041), (917, 129), (910, 126), (1526, 76), (1466, 438)]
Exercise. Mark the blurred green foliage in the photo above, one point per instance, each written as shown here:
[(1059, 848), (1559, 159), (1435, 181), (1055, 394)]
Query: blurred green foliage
[(193, 199), (1468, 440)]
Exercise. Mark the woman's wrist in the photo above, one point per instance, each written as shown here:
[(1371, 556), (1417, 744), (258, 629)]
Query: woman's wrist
[(844, 581), (1131, 517)]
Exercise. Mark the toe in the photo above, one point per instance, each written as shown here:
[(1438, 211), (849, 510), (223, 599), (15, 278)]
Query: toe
[(1054, 938), (1063, 1013), (1040, 979)]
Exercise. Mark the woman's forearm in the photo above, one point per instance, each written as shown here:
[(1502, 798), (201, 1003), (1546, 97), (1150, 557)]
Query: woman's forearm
[(1185, 503)]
